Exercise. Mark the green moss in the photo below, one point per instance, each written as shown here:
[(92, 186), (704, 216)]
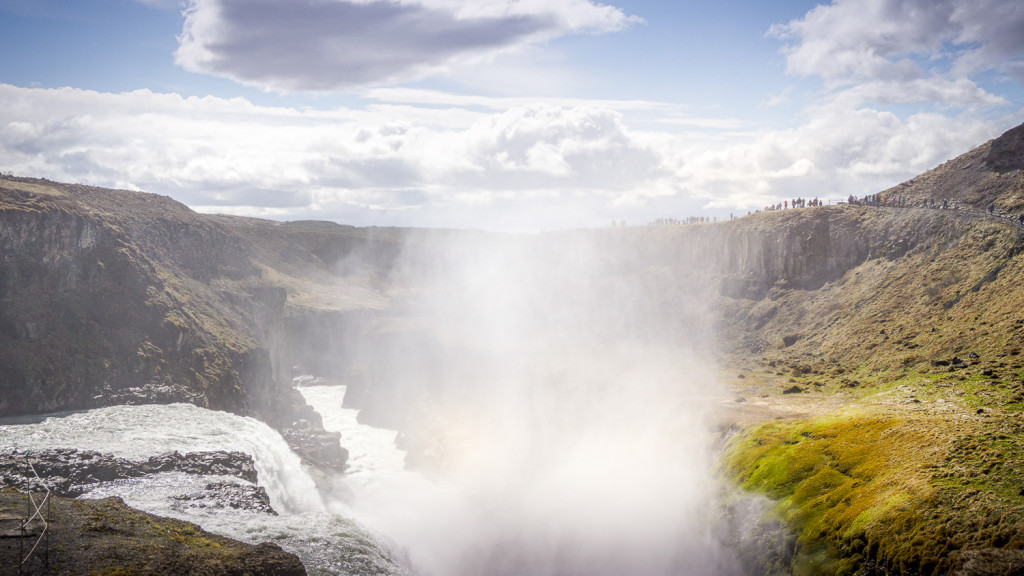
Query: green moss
[(835, 478), (903, 490)]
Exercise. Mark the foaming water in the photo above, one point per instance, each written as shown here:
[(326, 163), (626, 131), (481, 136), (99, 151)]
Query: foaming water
[(138, 432), (417, 512), (328, 544)]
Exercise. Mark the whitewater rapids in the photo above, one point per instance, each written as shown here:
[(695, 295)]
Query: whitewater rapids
[(319, 530)]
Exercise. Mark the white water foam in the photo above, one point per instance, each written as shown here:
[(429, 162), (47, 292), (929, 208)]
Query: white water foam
[(138, 432), (328, 544)]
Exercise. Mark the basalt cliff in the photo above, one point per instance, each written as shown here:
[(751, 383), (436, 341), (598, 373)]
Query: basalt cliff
[(870, 355)]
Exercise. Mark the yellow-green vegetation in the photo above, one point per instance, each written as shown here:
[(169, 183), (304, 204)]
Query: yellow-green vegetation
[(907, 491)]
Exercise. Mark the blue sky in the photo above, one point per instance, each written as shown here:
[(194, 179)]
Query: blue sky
[(501, 114)]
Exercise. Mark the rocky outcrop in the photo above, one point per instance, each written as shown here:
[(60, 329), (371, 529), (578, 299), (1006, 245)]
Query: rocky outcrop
[(71, 472), (108, 290), (225, 495), (87, 537)]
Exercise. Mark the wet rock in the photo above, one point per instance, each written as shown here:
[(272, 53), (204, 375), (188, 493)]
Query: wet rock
[(315, 445), (237, 464), (71, 472), (222, 495)]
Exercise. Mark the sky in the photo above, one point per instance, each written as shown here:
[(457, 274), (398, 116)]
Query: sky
[(512, 115)]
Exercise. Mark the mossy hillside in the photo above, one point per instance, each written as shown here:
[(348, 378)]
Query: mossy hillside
[(888, 318), (921, 465), (908, 492), (933, 283), (909, 448)]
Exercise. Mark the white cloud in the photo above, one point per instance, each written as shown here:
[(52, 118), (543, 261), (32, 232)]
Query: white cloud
[(866, 39), (839, 151), (523, 167), (907, 43), (324, 45), (329, 164)]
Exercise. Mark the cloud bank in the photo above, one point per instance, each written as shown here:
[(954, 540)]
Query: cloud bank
[(324, 45), (520, 168)]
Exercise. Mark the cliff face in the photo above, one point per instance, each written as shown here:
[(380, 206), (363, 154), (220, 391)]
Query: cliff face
[(113, 297), (101, 297)]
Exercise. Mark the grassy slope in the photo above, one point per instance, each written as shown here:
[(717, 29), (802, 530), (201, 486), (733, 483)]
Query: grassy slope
[(912, 460)]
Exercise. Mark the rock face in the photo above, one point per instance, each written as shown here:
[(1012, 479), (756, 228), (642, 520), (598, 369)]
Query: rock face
[(109, 290), (115, 297)]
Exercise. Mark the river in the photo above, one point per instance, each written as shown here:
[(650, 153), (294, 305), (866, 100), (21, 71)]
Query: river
[(613, 504)]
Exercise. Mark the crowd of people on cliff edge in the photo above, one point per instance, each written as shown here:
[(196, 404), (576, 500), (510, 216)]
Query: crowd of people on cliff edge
[(879, 199), (680, 222), (794, 203)]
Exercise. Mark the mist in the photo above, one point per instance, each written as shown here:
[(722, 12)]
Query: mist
[(555, 392)]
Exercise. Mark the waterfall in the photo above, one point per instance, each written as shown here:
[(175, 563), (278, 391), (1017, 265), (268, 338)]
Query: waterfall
[(328, 544)]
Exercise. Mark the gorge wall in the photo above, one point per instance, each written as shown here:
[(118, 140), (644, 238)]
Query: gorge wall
[(115, 296)]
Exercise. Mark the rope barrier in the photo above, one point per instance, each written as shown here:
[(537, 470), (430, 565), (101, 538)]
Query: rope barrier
[(38, 511)]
